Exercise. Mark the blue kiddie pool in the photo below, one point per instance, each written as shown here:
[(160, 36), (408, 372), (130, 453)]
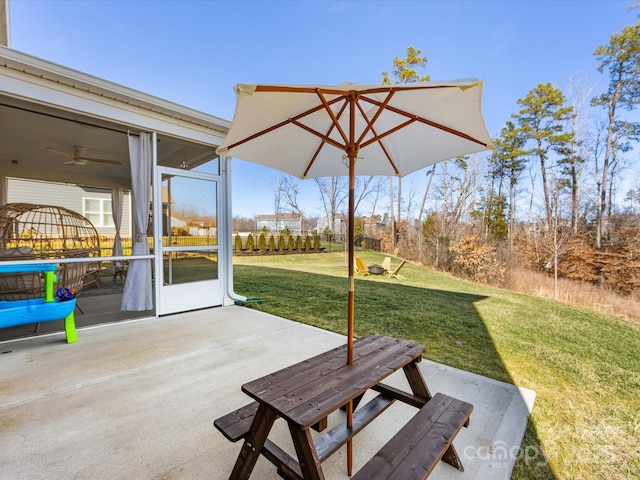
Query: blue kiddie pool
[(47, 309)]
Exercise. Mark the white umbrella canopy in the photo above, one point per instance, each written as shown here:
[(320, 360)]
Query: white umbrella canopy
[(397, 129), (316, 131)]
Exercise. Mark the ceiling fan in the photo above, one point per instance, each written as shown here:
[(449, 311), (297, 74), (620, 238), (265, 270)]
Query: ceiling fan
[(79, 157)]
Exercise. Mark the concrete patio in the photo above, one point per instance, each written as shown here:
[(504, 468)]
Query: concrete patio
[(137, 400)]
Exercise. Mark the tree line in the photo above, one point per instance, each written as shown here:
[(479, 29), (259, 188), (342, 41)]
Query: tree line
[(560, 194)]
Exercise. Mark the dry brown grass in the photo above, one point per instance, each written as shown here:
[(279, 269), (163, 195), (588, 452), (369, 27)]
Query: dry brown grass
[(576, 293)]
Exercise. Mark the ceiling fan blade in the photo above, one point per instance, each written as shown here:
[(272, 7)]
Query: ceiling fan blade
[(55, 150), (78, 157), (99, 160)]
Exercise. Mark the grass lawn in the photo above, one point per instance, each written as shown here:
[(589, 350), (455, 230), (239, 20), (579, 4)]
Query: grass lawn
[(584, 366)]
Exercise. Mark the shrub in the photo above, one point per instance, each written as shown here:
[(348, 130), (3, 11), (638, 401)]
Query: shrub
[(475, 260), (299, 243), (316, 240), (250, 244), (290, 244), (238, 243), (272, 244), (282, 243), (307, 243), (262, 242)]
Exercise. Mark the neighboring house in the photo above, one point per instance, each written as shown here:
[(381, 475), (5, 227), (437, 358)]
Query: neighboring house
[(339, 227), (277, 223), (178, 220), (92, 203), (373, 226), (203, 232)]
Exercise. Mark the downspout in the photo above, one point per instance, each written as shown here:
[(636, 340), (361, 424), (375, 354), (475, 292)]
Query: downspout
[(227, 233)]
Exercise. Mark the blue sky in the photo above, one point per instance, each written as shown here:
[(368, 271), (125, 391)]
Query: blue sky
[(194, 52)]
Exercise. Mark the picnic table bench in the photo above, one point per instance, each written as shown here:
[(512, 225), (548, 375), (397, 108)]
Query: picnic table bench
[(304, 395), (427, 438)]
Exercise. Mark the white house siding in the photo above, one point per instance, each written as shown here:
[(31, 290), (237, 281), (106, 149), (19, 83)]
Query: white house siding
[(67, 196), (339, 224), (275, 224)]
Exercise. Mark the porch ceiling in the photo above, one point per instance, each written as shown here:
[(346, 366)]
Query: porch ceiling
[(44, 106), (29, 131)]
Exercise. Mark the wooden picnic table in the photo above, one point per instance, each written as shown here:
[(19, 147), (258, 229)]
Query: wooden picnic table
[(306, 393)]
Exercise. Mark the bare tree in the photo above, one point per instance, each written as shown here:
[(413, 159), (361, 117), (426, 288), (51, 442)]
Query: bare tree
[(559, 235), (286, 199), (456, 189), (375, 190), (365, 186), (578, 93), (290, 194), (333, 194), (278, 187)]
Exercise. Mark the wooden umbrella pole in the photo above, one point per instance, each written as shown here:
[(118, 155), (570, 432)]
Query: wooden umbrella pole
[(350, 263), (352, 152), (351, 301)]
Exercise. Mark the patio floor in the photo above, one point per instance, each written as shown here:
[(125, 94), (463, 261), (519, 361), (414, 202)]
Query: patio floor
[(137, 399)]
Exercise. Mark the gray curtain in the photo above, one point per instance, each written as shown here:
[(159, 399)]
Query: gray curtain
[(137, 295), (117, 199), (4, 190)]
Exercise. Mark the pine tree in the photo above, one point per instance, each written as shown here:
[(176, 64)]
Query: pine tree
[(541, 121), (620, 58)]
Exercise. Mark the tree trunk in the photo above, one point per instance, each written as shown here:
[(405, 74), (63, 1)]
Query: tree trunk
[(602, 219), (424, 197), (512, 213), (391, 216), (545, 188), (399, 216), (575, 199)]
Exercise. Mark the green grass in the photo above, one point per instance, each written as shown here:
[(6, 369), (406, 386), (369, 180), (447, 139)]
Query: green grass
[(584, 366)]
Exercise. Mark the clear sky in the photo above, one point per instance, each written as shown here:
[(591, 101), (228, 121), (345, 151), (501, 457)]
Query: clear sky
[(194, 52)]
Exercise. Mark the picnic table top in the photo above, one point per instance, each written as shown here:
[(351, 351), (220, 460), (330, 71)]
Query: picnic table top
[(310, 390)]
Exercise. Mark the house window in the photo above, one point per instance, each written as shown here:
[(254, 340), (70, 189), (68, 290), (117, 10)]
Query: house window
[(98, 212)]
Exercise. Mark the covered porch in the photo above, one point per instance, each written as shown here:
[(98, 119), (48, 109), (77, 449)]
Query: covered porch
[(137, 399), (139, 172)]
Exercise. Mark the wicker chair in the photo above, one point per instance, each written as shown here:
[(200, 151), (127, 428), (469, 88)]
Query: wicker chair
[(29, 231)]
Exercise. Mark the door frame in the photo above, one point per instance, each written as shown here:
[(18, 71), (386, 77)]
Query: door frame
[(213, 297)]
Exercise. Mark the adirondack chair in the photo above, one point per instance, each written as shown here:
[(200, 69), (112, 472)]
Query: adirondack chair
[(361, 268), (395, 273), (386, 264)]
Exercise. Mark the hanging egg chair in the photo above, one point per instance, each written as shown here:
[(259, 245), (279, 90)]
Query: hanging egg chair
[(29, 231)]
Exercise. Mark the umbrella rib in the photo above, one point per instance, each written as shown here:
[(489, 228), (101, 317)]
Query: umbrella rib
[(324, 138), (317, 152), (289, 120), (377, 138), (370, 123), (332, 115), (431, 123)]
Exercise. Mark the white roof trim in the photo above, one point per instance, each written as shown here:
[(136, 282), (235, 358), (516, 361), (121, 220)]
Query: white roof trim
[(52, 72)]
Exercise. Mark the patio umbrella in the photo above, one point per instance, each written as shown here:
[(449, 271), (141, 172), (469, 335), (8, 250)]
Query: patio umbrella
[(315, 131)]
